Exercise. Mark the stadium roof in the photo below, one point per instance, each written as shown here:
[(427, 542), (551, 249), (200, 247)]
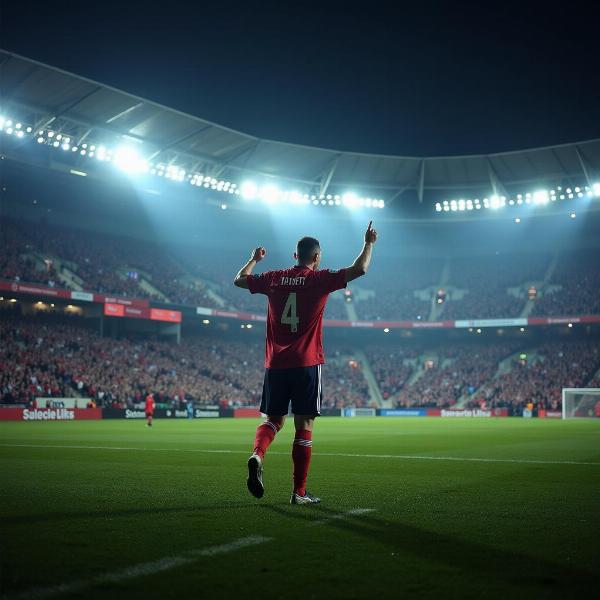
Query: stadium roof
[(87, 110)]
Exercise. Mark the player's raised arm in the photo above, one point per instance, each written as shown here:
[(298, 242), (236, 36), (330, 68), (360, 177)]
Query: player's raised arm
[(241, 279), (361, 265)]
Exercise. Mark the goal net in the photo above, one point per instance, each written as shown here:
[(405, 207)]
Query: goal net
[(581, 403)]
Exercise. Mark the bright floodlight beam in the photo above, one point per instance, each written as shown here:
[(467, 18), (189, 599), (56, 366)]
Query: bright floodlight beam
[(128, 160), (248, 190)]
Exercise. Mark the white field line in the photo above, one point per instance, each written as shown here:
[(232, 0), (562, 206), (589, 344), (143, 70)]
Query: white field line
[(525, 461), (139, 570), (163, 564), (355, 512)]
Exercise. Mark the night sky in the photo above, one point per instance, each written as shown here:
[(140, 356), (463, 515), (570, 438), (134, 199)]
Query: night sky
[(425, 78)]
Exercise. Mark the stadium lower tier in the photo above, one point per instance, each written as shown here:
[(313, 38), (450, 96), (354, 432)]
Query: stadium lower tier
[(47, 357)]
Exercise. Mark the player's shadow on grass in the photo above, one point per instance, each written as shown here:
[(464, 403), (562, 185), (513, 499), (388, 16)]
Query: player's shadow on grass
[(479, 560), (125, 512)]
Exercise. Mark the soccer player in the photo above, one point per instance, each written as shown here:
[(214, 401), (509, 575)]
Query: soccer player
[(149, 409), (294, 350)]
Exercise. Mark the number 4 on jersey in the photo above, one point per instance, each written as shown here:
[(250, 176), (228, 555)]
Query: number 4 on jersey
[(290, 317)]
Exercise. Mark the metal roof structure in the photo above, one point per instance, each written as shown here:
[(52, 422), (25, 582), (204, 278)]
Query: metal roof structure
[(87, 110)]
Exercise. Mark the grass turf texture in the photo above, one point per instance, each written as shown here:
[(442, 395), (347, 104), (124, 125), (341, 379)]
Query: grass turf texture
[(440, 528)]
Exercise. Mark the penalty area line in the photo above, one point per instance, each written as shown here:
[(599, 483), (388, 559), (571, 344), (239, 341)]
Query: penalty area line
[(163, 564), (525, 461), (139, 570), (355, 512)]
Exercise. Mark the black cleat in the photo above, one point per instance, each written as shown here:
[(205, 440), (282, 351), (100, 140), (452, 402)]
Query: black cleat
[(255, 473)]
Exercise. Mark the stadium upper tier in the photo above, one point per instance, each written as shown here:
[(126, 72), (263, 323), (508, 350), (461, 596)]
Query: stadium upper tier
[(50, 356), (426, 289), (88, 113)]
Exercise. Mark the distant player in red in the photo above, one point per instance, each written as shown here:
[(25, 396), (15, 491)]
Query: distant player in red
[(149, 409), (294, 350)]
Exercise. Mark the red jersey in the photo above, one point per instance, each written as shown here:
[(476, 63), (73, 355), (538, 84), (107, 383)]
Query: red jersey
[(149, 404), (297, 299)]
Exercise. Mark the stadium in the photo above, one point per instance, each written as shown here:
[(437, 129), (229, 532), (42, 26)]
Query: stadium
[(458, 451)]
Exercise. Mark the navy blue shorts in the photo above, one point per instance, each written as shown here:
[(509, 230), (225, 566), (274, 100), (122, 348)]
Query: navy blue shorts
[(300, 386)]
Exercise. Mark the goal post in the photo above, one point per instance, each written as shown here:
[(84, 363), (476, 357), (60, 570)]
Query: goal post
[(581, 403)]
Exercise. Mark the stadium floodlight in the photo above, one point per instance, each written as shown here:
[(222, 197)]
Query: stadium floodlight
[(517, 220), (580, 403), (248, 190), (573, 215), (269, 193), (350, 199), (127, 159)]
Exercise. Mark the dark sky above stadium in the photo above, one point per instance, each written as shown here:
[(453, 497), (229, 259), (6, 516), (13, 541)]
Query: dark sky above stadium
[(420, 78)]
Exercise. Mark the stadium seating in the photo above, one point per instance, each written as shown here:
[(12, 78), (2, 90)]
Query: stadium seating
[(47, 356), (575, 286), (56, 356), (540, 381), (396, 289), (455, 371), (486, 281)]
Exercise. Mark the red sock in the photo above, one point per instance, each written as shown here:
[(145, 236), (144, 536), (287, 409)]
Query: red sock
[(265, 434), (301, 451)]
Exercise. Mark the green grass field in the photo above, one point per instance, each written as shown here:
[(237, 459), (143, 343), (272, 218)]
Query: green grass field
[(113, 508)]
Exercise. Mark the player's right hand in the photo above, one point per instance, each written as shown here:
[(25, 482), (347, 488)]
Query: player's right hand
[(370, 234), (258, 254)]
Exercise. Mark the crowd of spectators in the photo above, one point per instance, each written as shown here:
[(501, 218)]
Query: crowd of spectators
[(459, 370), (182, 275), (16, 263), (486, 280), (539, 381), (344, 384), (392, 367), (578, 275), (52, 357), (394, 283), (41, 358), (107, 264)]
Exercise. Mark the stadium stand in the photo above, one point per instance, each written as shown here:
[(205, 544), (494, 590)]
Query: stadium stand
[(540, 381), (392, 367), (492, 286), (105, 263), (52, 356), (457, 370), (393, 296), (486, 281), (575, 286), (49, 356)]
